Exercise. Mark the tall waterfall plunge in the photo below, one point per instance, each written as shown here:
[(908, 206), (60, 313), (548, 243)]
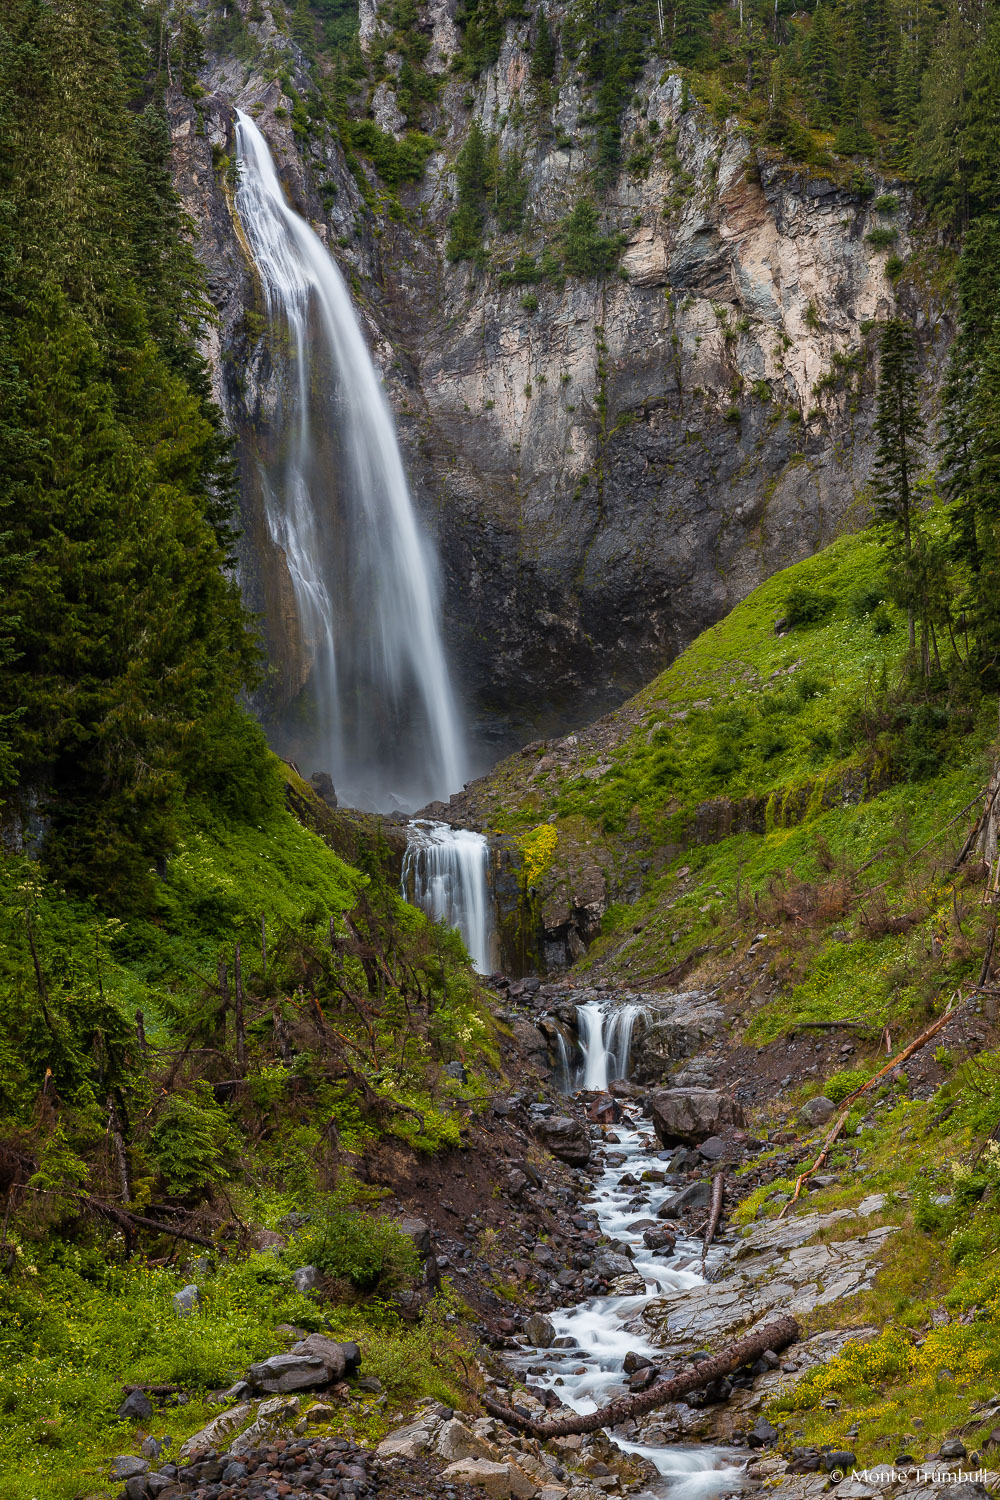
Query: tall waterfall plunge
[(338, 508)]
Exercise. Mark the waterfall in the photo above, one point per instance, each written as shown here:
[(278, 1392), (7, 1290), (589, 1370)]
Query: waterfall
[(605, 1042), (446, 873), (338, 508)]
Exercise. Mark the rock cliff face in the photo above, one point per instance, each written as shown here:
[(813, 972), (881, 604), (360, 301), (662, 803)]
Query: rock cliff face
[(607, 464)]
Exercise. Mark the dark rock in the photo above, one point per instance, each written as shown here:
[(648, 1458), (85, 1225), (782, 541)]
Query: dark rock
[(713, 1149), (418, 1232), (289, 1372), (539, 1330), (322, 783), (633, 1361), (127, 1466), (643, 1377), (762, 1434), (608, 1265), (841, 1459), (136, 1407), (953, 1448), (695, 1195), (692, 1115), (565, 1138), (660, 1238)]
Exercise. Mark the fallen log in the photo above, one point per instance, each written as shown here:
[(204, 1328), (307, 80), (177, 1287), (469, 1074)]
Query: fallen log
[(772, 1336), (841, 1121), (715, 1213), (126, 1220)]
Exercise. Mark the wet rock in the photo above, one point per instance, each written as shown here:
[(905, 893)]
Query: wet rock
[(642, 1378), (838, 1458), (608, 1264), (692, 1115), (565, 1138), (816, 1111), (660, 1238), (540, 1331), (713, 1149), (695, 1195)]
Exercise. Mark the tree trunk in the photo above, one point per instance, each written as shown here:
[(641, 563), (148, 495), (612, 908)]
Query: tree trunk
[(772, 1336)]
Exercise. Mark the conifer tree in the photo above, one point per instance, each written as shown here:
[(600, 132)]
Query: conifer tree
[(543, 54), (821, 66), (899, 431)]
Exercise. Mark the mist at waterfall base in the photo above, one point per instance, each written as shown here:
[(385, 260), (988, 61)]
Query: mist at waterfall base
[(377, 710), (589, 1372)]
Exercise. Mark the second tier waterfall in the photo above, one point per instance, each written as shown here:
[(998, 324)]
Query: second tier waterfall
[(446, 872), (381, 712), (605, 1045)]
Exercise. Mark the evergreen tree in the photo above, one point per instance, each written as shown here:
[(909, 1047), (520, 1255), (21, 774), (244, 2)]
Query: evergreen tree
[(899, 430), (127, 638), (543, 54), (821, 67), (467, 223), (690, 29)]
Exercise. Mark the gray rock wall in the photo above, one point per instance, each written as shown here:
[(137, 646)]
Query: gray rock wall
[(611, 471)]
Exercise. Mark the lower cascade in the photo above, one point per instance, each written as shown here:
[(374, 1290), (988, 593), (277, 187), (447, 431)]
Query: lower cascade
[(446, 872), (596, 1335)]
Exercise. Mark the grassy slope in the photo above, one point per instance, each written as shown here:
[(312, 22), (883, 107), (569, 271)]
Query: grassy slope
[(866, 921), (77, 1319)]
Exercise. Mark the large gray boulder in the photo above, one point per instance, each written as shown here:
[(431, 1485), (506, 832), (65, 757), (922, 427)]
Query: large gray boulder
[(565, 1138), (290, 1372), (340, 1359), (816, 1111), (692, 1115), (609, 1265)]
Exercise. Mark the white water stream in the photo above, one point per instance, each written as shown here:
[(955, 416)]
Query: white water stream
[(338, 507), (446, 872), (586, 1375)]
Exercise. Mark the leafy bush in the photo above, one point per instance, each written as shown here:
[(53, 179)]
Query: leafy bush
[(807, 606), (881, 238), (844, 1083), (394, 161), (363, 1249)]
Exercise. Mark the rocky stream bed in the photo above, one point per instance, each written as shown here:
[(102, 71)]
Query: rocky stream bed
[(604, 1199)]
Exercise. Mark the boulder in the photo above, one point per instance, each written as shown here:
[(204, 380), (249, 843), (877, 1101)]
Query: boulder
[(455, 1441), (539, 1330), (695, 1195), (290, 1372), (762, 1434), (418, 1232), (660, 1238), (215, 1434), (272, 1420), (340, 1359), (136, 1407), (268, 1241), (493, 1478), (816, 1111), (692, 1115), (127, 1466), (608, 1264), (405, 1442), (565, 1138), (186, 1301), (307, 1278)]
